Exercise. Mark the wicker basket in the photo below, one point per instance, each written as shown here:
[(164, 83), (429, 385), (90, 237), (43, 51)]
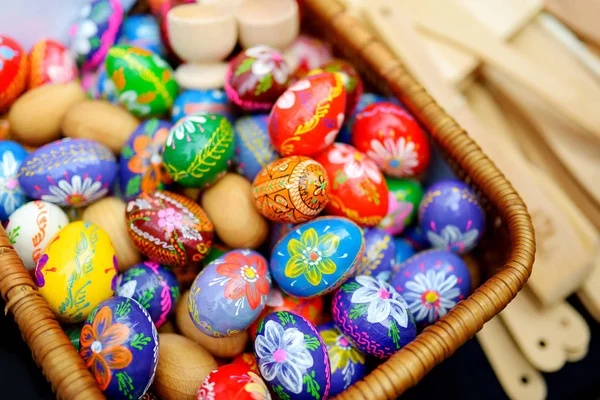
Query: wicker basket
[(507, 250)]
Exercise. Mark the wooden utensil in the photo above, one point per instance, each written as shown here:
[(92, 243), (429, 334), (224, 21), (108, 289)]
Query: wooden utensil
[(580, 15)]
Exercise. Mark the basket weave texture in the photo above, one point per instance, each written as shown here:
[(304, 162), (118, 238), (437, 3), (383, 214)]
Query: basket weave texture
[(510, 237)]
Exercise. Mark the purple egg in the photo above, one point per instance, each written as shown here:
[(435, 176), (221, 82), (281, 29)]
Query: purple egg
[(451, 217), (119, 343), (152, 285), (253, 148), (347, 363), (68, 172), (379, 257), (229, 294), (432, 282), (373, 315), (292, 357)]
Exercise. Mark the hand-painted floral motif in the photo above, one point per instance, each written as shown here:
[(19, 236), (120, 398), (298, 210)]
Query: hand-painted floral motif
[(51, 62), (383, 301), (11, 194), (247, 275), (76, 193), (102, 347), (355, 163), (184, 128), (310, 256), (257, 388), (233, 381), (398, 156), (451, 238), (431, 295)]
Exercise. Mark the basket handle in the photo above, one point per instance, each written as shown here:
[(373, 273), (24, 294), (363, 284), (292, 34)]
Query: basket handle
[(51, 349)]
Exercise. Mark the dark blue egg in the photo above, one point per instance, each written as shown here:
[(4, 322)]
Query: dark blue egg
[(68, 172), (152, 285), (142, 31), (191, 102), (404, 251), (451, 217), (373, 315), (414, 235), (11, 195), (345, 135), (292, 357), (380, 254), (347, 363), (119, 344), (141, 167), (432, 282), (253, 148)]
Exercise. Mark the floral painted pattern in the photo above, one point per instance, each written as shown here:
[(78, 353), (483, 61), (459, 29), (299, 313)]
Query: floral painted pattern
[(265, 61), (11, 195), (102, 347), (384, 304), (431, 295), (147, 159), (282, 354), (83, 33), (76, 193), (288, 98), (184, 128), (340, 350), (398, 157), (310, 256), (355, 163), (452, 239), (247, 277), (135, 103), (257, 388)]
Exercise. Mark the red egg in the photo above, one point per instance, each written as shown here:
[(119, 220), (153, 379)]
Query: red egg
[(357, 188), (392, 138), (233, 381), (50, 62), (247, 359), (308, 116), (310, 53), (256, 78), (352, 81), (13, 71)]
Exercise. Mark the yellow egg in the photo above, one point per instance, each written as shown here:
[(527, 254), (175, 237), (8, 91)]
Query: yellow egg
[(77, 270)]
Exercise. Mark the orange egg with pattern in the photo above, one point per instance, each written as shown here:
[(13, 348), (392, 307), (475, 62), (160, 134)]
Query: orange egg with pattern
[(291, 190)]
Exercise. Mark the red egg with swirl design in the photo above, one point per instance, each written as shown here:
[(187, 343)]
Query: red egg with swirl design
[(308, 116), (392, 138), (13, 71), (50, 62), (169, 228), (233, 381), (357, 189), (352, 81)]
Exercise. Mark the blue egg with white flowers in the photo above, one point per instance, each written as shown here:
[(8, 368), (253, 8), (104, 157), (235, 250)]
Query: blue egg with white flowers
[(190, 102), (253, 148), (12, 196)]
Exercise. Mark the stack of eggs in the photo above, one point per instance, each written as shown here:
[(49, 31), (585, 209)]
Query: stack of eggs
[(289, 203)]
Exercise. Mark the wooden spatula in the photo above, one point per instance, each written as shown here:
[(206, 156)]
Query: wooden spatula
[(580, 15)]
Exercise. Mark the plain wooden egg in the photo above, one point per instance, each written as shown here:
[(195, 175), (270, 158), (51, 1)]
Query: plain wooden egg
[(36, 117), (230, 206), (101, 121), (109, 214), (228, 347), (182, 366)]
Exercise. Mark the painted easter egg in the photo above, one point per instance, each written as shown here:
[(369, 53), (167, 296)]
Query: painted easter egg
[(292, 357), (233, 381), (404, 251), (144, 81), (103, 87), (308, 116), (229, 293), (192, 102), (432, 282), (77, 270), (392, 138), (345, 135), (451, 217), (380, 255), (347, 363), (350, 77), (12, 195), (248, 360), (310, 53), (256, 78), (199, 149), (373, 315), (142, 31), (311, 308), (4, 127), (13, 71), (169, 228), (404, 198), (357, 188), (253, 148), (141, 168), (153, 286), (51, 62), (95, 31), (31, 227), (278, 231), (317, 257), (119, 345), (291, 190), (68, 172)]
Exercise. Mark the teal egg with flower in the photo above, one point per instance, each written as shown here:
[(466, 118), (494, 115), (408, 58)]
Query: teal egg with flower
[(317, 257), (12, 196)]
